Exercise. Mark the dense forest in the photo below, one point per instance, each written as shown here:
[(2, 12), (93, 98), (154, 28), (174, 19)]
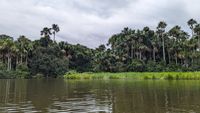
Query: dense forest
[(141, 50)]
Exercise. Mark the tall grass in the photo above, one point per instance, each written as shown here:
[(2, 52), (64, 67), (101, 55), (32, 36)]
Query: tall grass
[(136, 75)]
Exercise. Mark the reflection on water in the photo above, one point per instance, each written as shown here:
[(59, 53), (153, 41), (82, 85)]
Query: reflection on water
[(117, 96)]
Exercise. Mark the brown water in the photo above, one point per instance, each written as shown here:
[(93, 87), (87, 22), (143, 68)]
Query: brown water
[(117, 96)]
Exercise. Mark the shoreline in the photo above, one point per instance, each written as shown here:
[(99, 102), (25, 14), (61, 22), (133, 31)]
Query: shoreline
[(107, 75), (136, 75)]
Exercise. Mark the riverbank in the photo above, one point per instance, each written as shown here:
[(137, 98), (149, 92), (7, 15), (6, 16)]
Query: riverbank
[(106, 75), (137, 75), (14, 74)]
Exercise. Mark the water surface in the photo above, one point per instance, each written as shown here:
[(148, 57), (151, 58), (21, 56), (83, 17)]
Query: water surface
[(103, 96)]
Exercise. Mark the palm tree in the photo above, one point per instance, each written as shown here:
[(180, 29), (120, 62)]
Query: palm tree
[(191, 23), (148, 36), (24, 46), (174, 33), (55, 29), (197, 31), (161, 30), (169, 46), (2, 50), (7, 45), (192, 47), (154, 43), (113, 41), (101, 48), (46, 32)]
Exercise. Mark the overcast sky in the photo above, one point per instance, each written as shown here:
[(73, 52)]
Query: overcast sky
[(91, 22)]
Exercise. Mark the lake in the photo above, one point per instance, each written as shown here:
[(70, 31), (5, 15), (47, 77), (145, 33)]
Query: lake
[(101, 96)]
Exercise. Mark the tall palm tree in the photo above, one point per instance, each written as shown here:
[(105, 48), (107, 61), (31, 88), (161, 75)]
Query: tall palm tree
[(2, 50), (169, 48), (174, 33), (191, 23), (161, 30), (24, 46), (7, 45), (55, 29), (113, 41), (192, 47), (148, 35), (155, 48), (197, 31), (46, 32)]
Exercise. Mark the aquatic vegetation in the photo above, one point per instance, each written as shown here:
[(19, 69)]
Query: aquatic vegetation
[(135, 75)]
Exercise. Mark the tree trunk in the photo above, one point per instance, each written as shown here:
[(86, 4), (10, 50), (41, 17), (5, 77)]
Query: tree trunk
[(68, 60), (132, 51), (176, 60), (21, 59), (192, 61), (192, 32), (140, 55), (154, 55), (54, 37), (163, 44), (17, 60), (26, 59), (137, 55), (169, 57), (8, 65)]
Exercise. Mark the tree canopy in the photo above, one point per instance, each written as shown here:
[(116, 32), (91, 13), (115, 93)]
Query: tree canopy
[(134, 50)]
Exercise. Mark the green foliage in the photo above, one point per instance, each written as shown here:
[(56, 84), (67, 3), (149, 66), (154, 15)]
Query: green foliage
[(131, 50), (2, 66), (114, 77), (136, 66), (72, 75), (38, 76), (80, 57), (22, 67), (48, 61), (173, 76), (137, 75), (14, 74)]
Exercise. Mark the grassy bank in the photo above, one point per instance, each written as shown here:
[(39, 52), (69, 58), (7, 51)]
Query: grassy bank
[(13, 74), (104, 75), (135, 75)]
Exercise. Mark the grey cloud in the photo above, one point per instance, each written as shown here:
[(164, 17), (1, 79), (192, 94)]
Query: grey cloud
[(91, 22)]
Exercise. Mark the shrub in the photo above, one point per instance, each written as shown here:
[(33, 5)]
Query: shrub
[(136, 66), (22, 67), (72, 76), (48, 61), (147, 77), (97, 77), (2, 66), (114, 77), (169, 77), (151, 66), (38, 76), (13, 74)]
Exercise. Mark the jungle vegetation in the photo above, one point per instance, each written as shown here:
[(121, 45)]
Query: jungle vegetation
[(131, 50)]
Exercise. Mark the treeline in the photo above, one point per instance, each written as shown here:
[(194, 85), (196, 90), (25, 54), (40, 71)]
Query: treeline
[(23, 58), (151, 50), (131, 50)]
